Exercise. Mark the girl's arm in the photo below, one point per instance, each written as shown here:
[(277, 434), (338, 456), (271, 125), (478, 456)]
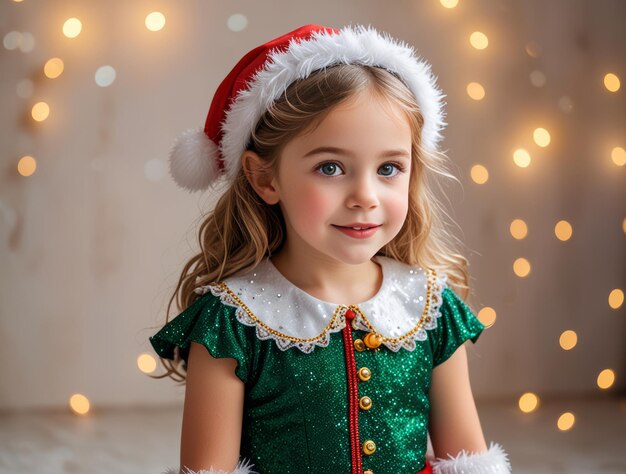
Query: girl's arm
[(454, 424), (211, 431)]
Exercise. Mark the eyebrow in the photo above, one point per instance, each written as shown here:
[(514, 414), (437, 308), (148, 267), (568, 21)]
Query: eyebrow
[(340, 151)]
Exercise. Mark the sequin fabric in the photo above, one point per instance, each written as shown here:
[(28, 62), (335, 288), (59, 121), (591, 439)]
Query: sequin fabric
[(296, 402)]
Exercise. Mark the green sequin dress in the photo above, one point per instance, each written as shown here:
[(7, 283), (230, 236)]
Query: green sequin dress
[(291, 356)]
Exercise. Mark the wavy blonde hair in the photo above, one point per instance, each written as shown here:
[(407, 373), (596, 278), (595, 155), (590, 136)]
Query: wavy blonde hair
[(242, 229)]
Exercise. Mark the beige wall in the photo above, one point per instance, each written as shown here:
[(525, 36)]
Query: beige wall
[(90, 248)]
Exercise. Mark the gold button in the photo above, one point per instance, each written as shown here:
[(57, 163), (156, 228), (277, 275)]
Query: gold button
[(365, 374), (372, 340), (359, 345), (369, 471), (369, 447), (365, 403)]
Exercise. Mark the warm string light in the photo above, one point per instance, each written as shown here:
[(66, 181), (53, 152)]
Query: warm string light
[(618, 155), (568, 340), (616, 298), (605, 379), (528, 402), (479, 174), (53, 68), (72, 27), (155, 21), (479, 40), (487, 316), (79, 404), (518, 229), (449, 3), (566, 421), (541, 137), (40, 111), (26, 166), (612, 82), (146, 363), (475, 90), (563, 230), (521, 267), (521, 158)]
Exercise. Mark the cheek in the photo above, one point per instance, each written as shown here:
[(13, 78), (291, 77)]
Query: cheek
[(398, 207), (310, 204)]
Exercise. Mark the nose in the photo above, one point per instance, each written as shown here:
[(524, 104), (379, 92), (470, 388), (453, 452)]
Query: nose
[(363, 193)]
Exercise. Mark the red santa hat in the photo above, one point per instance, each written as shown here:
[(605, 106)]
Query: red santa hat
[(200, 157)]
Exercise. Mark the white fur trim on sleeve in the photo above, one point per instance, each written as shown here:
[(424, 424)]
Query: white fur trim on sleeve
[(242, 467), (492, 461)]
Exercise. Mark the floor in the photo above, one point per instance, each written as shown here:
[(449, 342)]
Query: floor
[(146, 440)]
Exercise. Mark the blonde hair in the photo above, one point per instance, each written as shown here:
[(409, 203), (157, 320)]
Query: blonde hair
[(242, 229)]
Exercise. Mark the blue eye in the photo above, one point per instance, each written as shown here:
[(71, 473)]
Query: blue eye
[(329, 169), (388, 169)]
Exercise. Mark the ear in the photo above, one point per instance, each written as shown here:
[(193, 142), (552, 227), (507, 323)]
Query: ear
[(260, 177)]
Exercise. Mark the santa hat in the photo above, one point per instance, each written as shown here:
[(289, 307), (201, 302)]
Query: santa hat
[(200, 157)]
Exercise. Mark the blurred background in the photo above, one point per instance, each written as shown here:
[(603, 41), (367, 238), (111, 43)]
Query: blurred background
[(94, 233)]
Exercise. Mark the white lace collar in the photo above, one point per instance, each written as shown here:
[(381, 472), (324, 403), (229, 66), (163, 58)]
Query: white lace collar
[(406, 305)]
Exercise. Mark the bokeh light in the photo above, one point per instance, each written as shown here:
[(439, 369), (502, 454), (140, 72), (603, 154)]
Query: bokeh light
[(541, 137), (479, 174), (53, 68), (533, 49), (26, 166), (612, 82), (518, 229), (12, 40), (476, 91), (237, 22), (25, 88), (538, 78), (568, 340), (487, 316), (606, 379), (155, 21), (27, 43), (521, 158), (449, 3), (521, 267), (79, 404), (616, 298), (618, 155), (566, 104), (479, 40), (566, 421), (563, 230), (528, 402), (146, 363), (40, 111), (105, 76), (72, 27)]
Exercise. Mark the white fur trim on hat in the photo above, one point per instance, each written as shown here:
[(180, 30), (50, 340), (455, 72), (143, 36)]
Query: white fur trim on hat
[(193, 160), (352, 45), (492, 461), (243, 467)]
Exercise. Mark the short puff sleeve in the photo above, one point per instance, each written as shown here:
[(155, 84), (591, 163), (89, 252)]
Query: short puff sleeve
[(209, 322), (455, 325)]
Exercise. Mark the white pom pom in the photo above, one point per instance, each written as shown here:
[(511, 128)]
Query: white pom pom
[(193, 161)]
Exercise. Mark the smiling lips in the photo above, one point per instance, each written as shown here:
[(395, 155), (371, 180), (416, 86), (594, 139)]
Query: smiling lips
[(358, 230)]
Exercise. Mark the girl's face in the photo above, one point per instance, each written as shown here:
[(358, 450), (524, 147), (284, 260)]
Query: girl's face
[(352, 170)]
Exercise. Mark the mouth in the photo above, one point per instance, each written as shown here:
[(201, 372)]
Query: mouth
[(357, 226)]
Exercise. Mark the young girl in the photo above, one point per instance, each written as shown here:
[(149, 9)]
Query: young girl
[(322, 330)]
